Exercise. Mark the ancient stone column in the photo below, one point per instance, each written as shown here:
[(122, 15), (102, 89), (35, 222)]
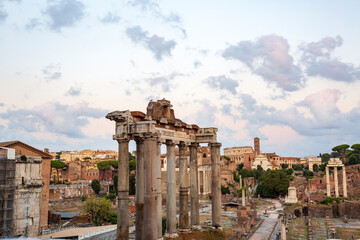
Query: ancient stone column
[(158, 187), (123, 191), (327, 182), (183, 189), (243, 197), (194, 190), (336, 181), (283, 230), (170, 191), (215, 184), (150, 231), (139, 201), (344, 183)]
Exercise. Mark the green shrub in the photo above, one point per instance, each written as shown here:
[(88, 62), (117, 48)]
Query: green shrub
[(224, 190), (111, 196), (112, 218), (328, 200), (83, 198)]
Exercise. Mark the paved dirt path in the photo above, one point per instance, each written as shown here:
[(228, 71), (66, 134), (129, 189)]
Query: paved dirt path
[(267, 227)]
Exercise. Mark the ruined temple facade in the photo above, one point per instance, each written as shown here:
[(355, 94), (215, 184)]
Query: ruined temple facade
[(30, 199), (160, 126)]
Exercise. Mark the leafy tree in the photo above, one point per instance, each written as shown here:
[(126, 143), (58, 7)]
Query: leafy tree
[(288, 171), (308, 173), (227, 158), (83, 198), (225, 190), (259, 168), (57, 165), (112, 218), (239, 167), (95, 185), (115, 181), (132, 189), (104, 165), (58, 154), (284, 165), (297, 167), (315, 168), (236, 176), (356, 147), (132, 165), (341, 149), (273, 183), (354, 159), (325, 157), (322, 167), (98, 210)]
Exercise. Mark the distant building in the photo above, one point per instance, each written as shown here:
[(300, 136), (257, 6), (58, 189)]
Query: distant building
[(262, 161)]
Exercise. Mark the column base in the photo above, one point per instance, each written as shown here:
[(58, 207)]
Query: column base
[(171, 235), (161, 238), (196, 227), (185, 230)]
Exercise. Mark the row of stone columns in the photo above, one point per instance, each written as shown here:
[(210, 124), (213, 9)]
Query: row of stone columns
[(336, 182), (148, 188)]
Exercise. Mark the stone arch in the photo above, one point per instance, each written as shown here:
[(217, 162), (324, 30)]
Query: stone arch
[(297, 213), (204, 155)]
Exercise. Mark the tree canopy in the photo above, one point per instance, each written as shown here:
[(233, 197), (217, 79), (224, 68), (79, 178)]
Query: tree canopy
[(273, 183), (105, 165), (341, 149), (98, 210), (95, 185), (57, 164)]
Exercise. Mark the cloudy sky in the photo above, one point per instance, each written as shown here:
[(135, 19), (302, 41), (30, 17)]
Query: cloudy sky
[(285, 71)]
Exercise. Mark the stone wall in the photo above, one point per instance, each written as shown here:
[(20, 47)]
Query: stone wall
[(349, 209)]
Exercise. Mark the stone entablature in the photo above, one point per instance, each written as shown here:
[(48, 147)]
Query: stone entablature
[(159, 126)]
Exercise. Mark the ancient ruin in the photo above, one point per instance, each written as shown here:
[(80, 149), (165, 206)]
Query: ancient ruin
[(335, 163), (159, 126)]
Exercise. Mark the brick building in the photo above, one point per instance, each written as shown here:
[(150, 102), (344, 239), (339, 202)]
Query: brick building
[(32, 180)]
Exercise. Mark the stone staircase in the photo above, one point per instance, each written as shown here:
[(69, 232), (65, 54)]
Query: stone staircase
[(296, 229), (318, 229)]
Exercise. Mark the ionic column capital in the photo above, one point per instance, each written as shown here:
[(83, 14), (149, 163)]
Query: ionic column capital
[(215, 144)]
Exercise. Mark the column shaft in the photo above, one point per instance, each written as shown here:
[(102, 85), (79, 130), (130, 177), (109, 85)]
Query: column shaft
[(183, 189), (344, 183), (139, 201), (158, 187), (194, 190), (215, 184), (327, 182), (150, 205), (123, 191), (336, 181), (170, 190)]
